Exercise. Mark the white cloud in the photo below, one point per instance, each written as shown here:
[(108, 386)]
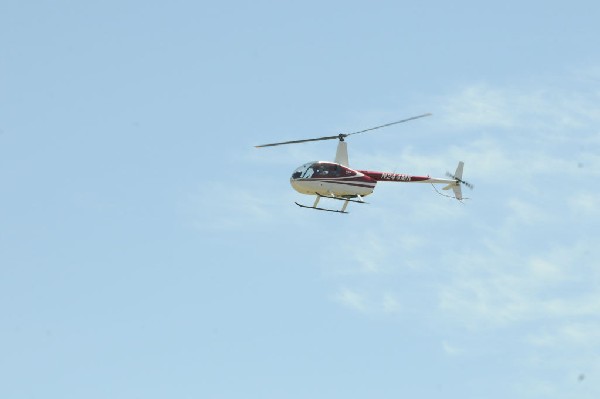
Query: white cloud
[(351, 299), (512, 285), (516, 258), (521, 257), (548, 109), (238, 205), (479, 106), (450, 349), (370, 253), (367, 303), (390, 303), (225, 207), (585, 204), (524, 212), (366, 253), (544, 270), (581, 334)]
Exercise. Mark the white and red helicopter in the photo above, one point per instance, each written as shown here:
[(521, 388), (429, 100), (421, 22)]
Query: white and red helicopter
[(336, 180)]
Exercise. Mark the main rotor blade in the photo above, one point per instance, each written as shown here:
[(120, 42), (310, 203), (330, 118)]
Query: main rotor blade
[(298, 141), (389, 124), (341, 136)]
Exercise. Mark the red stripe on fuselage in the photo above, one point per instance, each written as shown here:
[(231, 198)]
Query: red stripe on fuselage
[(397, 177)]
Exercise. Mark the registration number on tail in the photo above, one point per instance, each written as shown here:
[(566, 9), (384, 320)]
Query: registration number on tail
[(395, 177)]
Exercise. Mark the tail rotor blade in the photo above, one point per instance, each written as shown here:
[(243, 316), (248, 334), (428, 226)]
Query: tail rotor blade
[(465, 183)]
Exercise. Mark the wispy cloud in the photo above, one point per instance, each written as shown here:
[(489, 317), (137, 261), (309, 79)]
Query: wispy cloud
[(581, 334), (352, 299), (481, 106), (364, 302), (451, 349), (239, 205), (521, 257), (585, 204), (543, 106), (502, 285)]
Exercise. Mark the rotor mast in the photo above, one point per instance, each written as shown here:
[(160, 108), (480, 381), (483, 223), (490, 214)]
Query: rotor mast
[(341, 154)]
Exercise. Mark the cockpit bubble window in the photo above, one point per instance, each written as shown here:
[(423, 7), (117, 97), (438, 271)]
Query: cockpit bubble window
[(305, 171), (317, 170), (323, 169)]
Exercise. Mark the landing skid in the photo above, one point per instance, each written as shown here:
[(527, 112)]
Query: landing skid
[(319, 209), (343, 210)]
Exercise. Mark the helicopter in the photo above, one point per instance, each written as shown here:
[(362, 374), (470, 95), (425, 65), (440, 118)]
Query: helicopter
[(336, 180)]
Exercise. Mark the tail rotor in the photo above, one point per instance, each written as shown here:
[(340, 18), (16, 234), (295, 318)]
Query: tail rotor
[(459, 180)]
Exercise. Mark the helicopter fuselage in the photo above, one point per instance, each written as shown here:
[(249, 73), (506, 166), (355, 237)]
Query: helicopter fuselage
[(329, 178), (333, 179)]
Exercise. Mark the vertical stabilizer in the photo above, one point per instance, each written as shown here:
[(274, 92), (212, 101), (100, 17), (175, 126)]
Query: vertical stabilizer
[(459, 170), (458, 176), (341, 155)]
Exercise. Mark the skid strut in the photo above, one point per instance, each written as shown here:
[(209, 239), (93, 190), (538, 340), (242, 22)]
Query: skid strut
[(359, 200)]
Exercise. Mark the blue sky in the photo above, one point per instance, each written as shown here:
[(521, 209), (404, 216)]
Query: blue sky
[(148, 250)]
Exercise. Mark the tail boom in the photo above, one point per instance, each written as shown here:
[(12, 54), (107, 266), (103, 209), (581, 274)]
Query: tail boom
[(453, 183), (403, 178)]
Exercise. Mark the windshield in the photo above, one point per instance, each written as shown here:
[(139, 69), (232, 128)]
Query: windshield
[(304, 172), (317, 169)]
